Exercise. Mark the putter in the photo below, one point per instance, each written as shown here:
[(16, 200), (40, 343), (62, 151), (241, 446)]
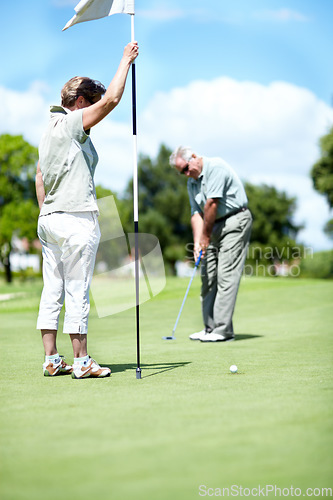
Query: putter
[(172, 337)]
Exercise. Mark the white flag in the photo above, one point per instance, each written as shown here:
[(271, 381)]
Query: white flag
[(87, 10)]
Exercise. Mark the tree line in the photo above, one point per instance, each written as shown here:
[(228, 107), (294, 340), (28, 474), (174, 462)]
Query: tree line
[(164, 209)]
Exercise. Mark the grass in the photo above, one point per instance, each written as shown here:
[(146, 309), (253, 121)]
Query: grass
[(189, 422)]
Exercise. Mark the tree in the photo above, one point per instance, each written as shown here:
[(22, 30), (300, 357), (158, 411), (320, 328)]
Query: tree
[(273, 232), (111, 250), (163, 205), (322, 174), (18, 205), (322, 170), (328, 228)]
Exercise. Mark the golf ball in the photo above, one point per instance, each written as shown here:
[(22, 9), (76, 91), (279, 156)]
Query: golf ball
[(233, 369)]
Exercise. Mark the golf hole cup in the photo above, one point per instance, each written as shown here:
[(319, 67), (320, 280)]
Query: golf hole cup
[(233, 369)]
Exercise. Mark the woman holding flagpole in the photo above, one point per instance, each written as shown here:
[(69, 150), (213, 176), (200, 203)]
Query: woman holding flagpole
[(67, 226)]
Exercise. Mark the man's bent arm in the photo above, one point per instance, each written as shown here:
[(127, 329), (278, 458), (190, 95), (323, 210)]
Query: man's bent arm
[(197, 227), (210, 212)]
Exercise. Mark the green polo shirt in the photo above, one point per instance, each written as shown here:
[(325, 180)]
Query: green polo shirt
[(67, 160), (217, 180)]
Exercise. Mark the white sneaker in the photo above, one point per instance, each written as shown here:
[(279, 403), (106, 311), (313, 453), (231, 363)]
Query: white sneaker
[(197, 335), (56, 367), (90, 369), (215, 337)]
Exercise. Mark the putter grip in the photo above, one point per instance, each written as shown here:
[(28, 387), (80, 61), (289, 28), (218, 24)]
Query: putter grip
[(198, 259)]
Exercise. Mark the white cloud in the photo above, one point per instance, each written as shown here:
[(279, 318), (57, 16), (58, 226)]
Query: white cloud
[(271, 128), (268, 134), (24, 113)]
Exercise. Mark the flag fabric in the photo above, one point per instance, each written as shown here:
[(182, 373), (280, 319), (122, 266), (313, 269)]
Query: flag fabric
[(88, 10)]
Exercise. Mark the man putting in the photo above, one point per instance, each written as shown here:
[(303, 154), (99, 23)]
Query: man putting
[(221, 225)]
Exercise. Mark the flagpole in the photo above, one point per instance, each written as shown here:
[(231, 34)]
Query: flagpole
[(135, 210)]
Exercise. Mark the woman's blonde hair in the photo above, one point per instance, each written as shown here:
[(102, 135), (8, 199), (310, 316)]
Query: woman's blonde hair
[(81, 86)]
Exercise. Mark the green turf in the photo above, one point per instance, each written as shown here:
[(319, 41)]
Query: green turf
[(189, 422)]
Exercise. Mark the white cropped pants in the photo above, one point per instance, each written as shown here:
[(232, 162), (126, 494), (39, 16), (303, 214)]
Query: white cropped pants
[(69, 245)]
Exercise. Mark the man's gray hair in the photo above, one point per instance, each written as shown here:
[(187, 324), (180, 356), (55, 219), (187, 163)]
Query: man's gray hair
[(182, 152)]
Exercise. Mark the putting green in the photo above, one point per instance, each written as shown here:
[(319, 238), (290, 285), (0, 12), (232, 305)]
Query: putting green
[(189, 428)]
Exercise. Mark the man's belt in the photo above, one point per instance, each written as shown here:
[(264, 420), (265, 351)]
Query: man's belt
[(230, 214)]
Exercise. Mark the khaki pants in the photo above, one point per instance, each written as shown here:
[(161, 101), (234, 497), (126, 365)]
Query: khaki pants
[(221, 272)]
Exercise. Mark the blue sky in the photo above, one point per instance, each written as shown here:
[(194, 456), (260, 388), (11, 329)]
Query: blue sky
[(250, 81), (258, 40)]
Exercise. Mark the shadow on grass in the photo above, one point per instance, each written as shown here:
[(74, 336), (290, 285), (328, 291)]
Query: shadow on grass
[(158, 368), (246, 336)]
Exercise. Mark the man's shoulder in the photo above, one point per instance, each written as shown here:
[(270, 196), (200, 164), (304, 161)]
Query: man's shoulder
[(216, 166), (215, 162)]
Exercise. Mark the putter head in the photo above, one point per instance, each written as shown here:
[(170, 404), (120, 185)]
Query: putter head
[(169, 337)]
